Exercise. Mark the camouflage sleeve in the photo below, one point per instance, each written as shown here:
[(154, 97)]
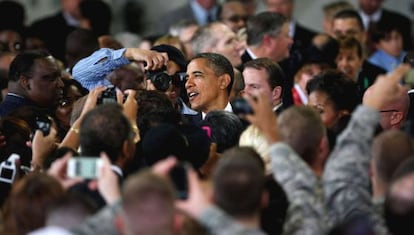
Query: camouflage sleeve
[(346, 177), (303, 189), (219, 223)]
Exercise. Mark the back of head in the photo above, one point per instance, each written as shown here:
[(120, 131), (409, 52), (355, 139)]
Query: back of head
[(226, 128), (80, 43), (104, 129), (29, 201), (399, 202), (219, 64), (304, 133), (98, 13), (147, 204), (265, 23), (205, 37), (154, 108), (239, 181), (388, 150)]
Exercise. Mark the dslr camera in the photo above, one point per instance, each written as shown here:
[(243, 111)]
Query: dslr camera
[(159, 78), (241, 106), (108, 96), (8, 169)]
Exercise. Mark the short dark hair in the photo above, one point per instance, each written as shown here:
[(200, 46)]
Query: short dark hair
[(23, 63), (226, 128), (154, 108), (341, 90), (350, 14), (219, 64), (239, 181), (104, 129), (349, 43), (276, 77), (262, 24), (383, 29)]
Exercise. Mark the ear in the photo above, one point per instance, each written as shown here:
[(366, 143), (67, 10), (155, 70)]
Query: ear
[(267, 40), (178, 222), (323, 150), (224, 81), (277, 93), (396, 118), (24, 82)]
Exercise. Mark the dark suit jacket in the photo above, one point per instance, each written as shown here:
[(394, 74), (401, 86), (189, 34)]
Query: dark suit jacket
[(11, 103), (368, 74), (302, 38), (403, 23), (53, 30)]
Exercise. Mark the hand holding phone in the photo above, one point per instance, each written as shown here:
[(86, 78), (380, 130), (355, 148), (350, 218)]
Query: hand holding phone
[(84, 167), (178, 176)]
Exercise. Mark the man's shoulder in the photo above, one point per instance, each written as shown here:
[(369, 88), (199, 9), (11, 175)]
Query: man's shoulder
[(389, 15)]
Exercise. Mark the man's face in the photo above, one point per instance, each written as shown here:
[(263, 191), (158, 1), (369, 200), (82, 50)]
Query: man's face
[(283, 7), (349, 62), (44, 85), (348, 27), (234, 15), (227, 44), (280, 44), (256, 82), (203, 85)]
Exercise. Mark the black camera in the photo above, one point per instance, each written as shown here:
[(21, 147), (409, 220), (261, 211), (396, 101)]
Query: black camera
[(160, 79), (108, 96), (43, 123), (241, 106)]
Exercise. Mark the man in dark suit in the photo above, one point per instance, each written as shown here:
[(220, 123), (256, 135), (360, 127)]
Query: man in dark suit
[(34, 80), (54, 29), (302, 38), (200, 11), (371, 12)]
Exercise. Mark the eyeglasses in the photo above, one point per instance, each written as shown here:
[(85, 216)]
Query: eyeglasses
[(237, 18)]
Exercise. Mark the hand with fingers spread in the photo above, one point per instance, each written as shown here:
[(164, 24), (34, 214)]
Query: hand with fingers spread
[(386, 89), (263, 116), (153, 60)]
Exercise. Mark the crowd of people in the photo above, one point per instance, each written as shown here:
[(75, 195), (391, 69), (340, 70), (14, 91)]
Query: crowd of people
[(228, 121)]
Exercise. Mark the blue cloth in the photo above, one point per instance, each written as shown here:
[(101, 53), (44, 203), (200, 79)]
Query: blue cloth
[(91, 71), (386, 61), (12, 102), (202, 14)]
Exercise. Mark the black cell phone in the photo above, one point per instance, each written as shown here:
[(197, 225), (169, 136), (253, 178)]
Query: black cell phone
[(108, 96), (241, 106), (178, 176), (43, 123)]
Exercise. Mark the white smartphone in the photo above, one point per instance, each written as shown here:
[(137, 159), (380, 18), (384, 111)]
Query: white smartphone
[(84, 167)]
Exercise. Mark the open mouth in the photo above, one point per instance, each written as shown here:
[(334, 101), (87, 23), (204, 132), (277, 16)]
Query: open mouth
[(192, 95)]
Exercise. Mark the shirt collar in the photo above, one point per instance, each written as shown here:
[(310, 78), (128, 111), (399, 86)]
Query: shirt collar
[(277, 106), (117, 170), (228, 108), (251, 54), (367, 18), (292, 27), (70, 20)]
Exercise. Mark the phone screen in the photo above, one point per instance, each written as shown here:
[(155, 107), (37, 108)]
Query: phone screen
[(84, 167)]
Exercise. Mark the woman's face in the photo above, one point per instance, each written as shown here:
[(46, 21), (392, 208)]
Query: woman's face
[(323, 104)]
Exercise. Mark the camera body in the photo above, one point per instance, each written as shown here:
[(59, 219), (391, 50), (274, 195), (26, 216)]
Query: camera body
[(108, 96), (241, 106), (84, 167), (160, 79), (178, 176), (43, 123), (8, 169)]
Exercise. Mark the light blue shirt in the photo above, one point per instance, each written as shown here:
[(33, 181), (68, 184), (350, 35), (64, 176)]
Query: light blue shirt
[(386, 61), (91, 71)]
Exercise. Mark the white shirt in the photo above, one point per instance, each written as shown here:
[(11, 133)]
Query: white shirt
[(228, 108), (367, 18)]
